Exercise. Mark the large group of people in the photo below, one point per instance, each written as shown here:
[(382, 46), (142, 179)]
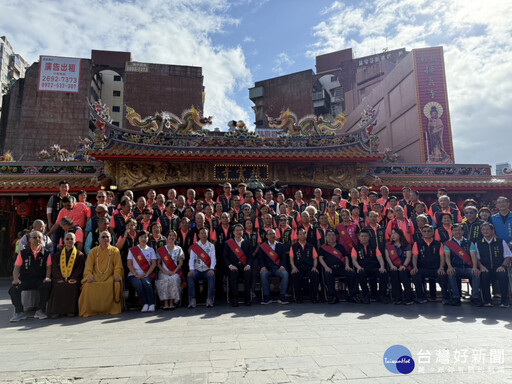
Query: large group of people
[(152, 251)]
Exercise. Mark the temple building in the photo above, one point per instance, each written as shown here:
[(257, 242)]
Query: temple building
[(109, 122)]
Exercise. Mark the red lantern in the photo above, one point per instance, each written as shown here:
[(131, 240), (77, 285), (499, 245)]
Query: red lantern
[(16, 202), (4, 202), (41, 202), (23, 209)]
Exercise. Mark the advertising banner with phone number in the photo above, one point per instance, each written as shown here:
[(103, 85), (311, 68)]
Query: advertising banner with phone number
[(59, 74)]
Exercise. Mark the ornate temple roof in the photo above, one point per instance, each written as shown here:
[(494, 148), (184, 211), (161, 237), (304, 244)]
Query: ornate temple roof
[(456, 177), (164, 136), (460, 184), (23, 177), (209, 148)]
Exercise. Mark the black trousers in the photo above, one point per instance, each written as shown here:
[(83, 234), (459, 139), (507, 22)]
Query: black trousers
[(368, 273), (220, 272), (486, 278), (399, 278), (300, 280), (233, 282), (424, 273), (38, 285), (340, 271), (131, 290)]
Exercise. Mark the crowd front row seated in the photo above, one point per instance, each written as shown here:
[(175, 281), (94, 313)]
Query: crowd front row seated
[(379, 248)]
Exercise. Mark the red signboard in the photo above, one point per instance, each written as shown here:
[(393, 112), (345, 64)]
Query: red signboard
[(59, 74), (434, 114)]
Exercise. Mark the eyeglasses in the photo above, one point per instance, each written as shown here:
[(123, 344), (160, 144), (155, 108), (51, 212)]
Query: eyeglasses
[(102, 197), (104, 237), (36, 238)]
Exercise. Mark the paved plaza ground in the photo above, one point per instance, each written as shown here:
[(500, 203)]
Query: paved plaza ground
[(308, 343)]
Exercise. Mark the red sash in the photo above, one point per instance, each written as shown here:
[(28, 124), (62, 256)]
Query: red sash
[(237, 251), (201, 254), (394, 256), (346, 240), (333, 251), (270, 253), (141, 260), (459, 251), (394, 224), (166, 258)]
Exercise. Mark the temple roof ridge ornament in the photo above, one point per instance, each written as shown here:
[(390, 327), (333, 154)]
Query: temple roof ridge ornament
[(190, 123), (57, 154), (238, 129), (290, 125), (161, 136), (368, 119)]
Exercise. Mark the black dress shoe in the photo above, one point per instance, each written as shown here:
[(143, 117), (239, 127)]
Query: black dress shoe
[(247, 303), (334, 300), (354, 299), (476, 302), (455, 302), (235, 303)]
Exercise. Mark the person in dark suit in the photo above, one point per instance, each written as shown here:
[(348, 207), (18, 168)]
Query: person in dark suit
[(273, 261), (240, 261)]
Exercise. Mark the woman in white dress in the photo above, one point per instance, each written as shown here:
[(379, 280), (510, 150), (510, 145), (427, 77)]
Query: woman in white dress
[(170, 262)]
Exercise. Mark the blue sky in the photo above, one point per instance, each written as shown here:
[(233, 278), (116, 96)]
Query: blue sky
[(239, 42)]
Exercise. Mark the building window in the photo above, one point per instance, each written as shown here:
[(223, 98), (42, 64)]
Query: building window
[(116, 123), (117, 93), (362, 91), (116, 108), (117, 78)]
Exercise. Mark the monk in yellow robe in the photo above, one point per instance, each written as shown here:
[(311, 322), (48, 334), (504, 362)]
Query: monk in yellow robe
[(67, 271), (102, 284)]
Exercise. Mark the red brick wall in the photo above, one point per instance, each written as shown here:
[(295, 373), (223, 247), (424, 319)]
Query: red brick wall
[(168, 88), (333, 60), (37, 120), (110, 58), (293, 91)]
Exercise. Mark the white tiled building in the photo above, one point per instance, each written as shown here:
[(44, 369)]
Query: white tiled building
[(12, 65)]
